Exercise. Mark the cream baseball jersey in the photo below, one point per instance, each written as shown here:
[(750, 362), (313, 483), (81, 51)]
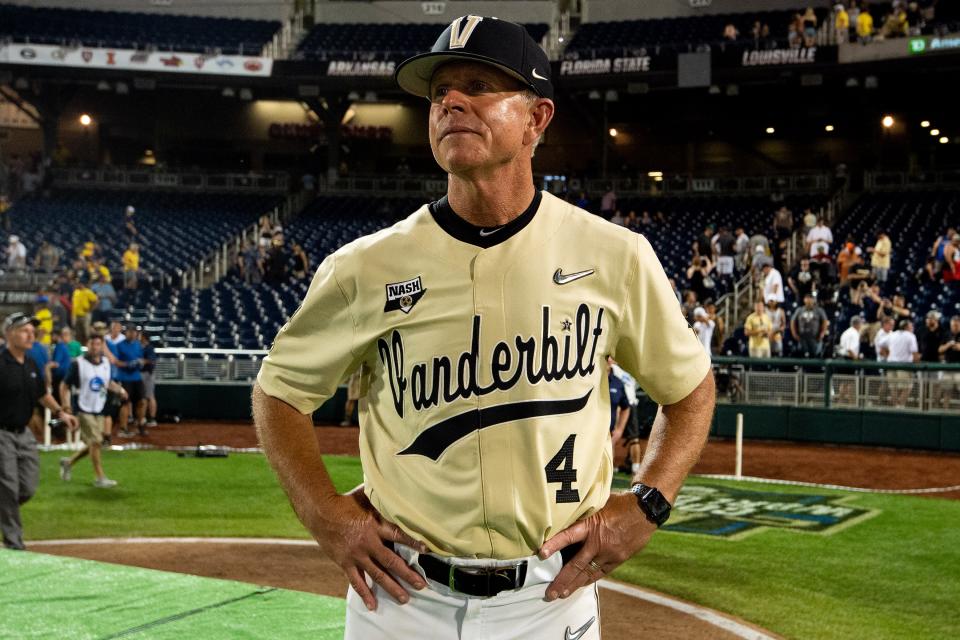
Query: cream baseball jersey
[(484, 424)]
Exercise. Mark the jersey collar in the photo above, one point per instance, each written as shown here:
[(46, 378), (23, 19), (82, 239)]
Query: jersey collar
[(483, 237)]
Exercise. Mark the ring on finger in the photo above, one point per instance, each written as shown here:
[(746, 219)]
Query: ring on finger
[(595, 566)]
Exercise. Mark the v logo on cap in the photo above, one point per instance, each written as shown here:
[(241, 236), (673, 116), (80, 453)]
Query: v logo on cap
[(458, 38)]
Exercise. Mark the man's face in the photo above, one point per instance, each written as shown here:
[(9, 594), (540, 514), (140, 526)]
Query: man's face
[(759, 308), (932, 323), (804, 265), (115, 328), (955, 326), (21, 337), (480, 118), (95, 347), (808, 302), (887, 325)]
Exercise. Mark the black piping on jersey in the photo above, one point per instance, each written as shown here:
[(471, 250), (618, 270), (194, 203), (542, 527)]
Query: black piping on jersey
[(483, 237), (434, 440)]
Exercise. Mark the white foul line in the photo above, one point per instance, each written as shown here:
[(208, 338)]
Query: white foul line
[(706, 615), (838, 487)]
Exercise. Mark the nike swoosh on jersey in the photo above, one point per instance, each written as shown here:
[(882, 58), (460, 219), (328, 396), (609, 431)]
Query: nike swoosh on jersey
[(484, 232), (434, 440), (537, 75), (560, 278), (575, 635)]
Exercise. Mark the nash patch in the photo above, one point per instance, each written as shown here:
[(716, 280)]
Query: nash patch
[(725, 512), (404, 295)]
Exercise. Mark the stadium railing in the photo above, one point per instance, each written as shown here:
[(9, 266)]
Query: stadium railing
[(896, 180), (181, 181), (840, 383)]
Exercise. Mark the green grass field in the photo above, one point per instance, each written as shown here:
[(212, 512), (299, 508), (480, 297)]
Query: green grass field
[(893, 575)]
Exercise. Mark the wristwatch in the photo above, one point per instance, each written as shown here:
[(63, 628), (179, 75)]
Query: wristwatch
[(654, 506)]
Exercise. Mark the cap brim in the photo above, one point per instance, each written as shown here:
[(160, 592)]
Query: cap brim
[(414, 74)]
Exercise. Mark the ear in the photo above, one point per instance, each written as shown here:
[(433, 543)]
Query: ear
[(540, 115)]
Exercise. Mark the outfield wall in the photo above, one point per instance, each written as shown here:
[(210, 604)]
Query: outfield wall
[(937, 432)]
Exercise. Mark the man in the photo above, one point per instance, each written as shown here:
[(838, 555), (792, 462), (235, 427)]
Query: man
[(631, 433), (808, 325), (757, 327), (772, 284), (131, 266), (849, 346), (21, 389), (726, 251), (83, 303), (45, 319), (950, 351), (703, 326), (801, 279), (129, 355), (106, 298), (932, 337), (47, 259), (608, 203), (619, 404), (112, 412), (89, 375), (819, 236), (901, 347), (146, 374), (481, 459), (880, 258)]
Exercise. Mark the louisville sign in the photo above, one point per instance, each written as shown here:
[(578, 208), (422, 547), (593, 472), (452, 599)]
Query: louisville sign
[(130, 59)]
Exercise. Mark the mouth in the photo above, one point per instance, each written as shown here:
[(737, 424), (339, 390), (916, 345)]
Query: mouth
[(455, 130)]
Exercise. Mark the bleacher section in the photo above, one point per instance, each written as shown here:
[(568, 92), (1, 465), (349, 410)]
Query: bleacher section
[(175, 230), (123, 30), (377, 41)]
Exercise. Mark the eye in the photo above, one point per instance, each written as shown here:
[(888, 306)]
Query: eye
[(438, 92), (479, 86)]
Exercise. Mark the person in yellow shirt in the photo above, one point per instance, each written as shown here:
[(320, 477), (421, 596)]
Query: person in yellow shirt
[(84, 301), (88, 250), (45, 317), (758, 328), (864, 26), (841, 24), (131, 266), (880, 260)]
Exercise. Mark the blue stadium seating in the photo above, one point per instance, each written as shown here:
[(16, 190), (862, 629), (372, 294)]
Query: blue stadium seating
[(175, 229), (377, 41), (123, 30)]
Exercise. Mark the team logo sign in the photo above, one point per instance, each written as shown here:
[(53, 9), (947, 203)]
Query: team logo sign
[(726, 512), (404, 295)]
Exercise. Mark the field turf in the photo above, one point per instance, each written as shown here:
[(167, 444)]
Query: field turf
[(893, 575)]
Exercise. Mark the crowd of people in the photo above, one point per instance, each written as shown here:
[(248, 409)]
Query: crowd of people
[(268, 258)]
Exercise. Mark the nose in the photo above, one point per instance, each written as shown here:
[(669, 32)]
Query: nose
[(454, 100)]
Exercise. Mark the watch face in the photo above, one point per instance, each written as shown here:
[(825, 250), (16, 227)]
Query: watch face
[(653, 504)]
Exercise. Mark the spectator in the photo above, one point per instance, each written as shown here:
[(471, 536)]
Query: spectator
[(275, 263), (783, 224), (847, 261), (931, 338), (40, 354), (632, 431), (618, 219), (301, 263), (741, 247), (772, 284), (703, 326), (146, 373), (265, 238), (44, 317), (583, 201), (699, 279), (951, 260), (870, 303), (819, 236), (129, 355), (895, 23), (879, 342), (801, 279), (809, 28), (719, 330), (765, 38), (809, 221), (794, 34), (730, 32), (950, 352), (759, 240), (901, 347), (939, 247), (106, 298), (63, 343), (96, 269), (880, 258), (841, 24), (849, 346), (726, 251), (755, 33), (646, 222), (619, 403), (83, 303), (703, 245), (608, 203), (16, 254), (929, 273), (778, 324), (4, 212), (897, 308), (47, 259), (252, 264), (854, 13), (130, 224), (808, 326), (758, 328), (689, 304), (131, 266), (864, 26)]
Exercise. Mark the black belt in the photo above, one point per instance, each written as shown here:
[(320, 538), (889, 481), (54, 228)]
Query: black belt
[(481, 581)]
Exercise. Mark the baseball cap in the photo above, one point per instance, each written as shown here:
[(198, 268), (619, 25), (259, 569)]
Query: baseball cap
[(17, 320), (498, 43), (700, 312)]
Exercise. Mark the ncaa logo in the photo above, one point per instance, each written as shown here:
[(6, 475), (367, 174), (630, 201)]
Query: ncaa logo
[(96, 384), (459, 36)]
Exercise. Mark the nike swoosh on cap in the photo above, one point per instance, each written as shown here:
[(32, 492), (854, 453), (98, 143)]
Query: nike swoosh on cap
[(560, 278), (575, 635), (537, 75)]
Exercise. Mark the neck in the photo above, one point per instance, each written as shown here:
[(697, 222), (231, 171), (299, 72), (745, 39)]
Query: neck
[(18, 353), (491, 200)]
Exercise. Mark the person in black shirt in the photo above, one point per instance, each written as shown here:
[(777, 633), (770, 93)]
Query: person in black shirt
[(950, 351), (21, 388), (931, 338), (801, 279)]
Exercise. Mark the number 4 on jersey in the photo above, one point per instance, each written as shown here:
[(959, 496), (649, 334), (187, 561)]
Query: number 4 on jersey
[(560, 469)]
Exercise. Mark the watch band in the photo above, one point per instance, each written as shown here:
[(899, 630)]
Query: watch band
[(654, 506)]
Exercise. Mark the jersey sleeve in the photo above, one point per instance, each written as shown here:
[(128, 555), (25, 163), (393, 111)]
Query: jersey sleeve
[(654, 341), (313, 352)]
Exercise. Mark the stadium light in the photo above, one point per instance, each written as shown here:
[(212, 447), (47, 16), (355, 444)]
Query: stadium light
[(887, 121), (658, 179), (613, 132), (934, 132), (560, 39), (944, 139), (85, 120), (925, 124), (655, 174), (771, 130), (828, 128)]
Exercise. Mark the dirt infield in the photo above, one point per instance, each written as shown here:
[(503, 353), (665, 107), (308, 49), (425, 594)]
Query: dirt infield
[(304, 568)]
